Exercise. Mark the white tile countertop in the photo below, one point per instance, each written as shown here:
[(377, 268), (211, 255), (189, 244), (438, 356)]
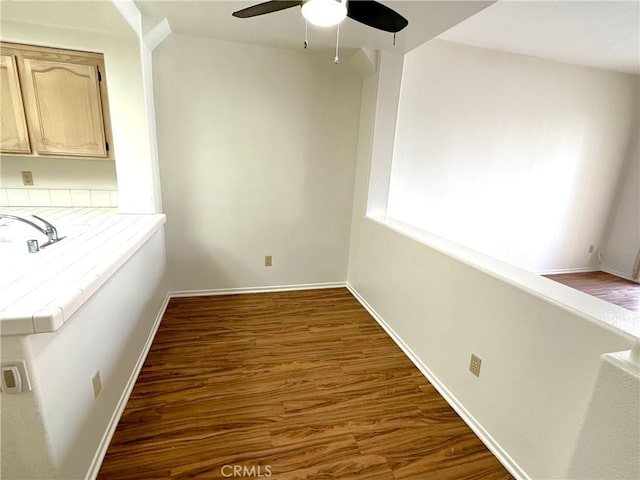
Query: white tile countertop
[(40, 291)]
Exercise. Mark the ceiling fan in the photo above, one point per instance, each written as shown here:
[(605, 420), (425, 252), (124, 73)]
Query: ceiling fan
[(326, 13)]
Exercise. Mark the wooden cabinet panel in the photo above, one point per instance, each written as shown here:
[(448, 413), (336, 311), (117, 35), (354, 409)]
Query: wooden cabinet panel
[(65, 108), (13, 127)]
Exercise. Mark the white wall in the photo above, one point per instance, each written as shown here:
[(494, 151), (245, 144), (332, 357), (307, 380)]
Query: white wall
[(257, 152), (539, 357), (58, 182), (384, 128), (608, 445), (55, 430), (513, 156), (623, 243), (65, 173), (62, 25)]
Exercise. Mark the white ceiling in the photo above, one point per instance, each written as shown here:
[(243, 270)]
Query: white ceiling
[(601, 34), (285, 29), (99, 16)]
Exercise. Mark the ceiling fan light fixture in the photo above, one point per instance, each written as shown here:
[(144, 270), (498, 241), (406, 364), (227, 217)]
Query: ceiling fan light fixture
[(324, 13)]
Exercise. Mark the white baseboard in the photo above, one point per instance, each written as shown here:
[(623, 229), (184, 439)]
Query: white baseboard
[(495, 448), (124, 398), (275, 288), (626, 276), (569, 270)]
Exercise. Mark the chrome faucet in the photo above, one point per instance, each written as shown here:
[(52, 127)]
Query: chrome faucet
[(49, 230)]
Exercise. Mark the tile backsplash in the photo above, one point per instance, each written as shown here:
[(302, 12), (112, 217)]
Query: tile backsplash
[(45, 197)]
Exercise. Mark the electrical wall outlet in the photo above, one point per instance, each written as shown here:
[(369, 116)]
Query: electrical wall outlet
[(96, 383), (474, 366), (14, 377), (268, 261), (27, 178)]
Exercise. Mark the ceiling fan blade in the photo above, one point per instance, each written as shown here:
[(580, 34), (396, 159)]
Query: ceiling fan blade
[(266, 7), (376, 15)]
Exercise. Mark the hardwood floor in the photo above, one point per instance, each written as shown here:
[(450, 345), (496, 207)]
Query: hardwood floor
[(291, 385), (616, 290)]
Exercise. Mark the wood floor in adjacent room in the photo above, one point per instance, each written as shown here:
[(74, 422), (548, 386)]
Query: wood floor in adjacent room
[(610, 288), (299, 385)]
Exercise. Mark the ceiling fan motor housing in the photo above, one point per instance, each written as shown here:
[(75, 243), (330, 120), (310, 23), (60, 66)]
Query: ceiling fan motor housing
[(369, 12), (324, 13)]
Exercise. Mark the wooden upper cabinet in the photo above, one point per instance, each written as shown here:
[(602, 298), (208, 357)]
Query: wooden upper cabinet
[(65, 108), (65, 100), (13, 127)]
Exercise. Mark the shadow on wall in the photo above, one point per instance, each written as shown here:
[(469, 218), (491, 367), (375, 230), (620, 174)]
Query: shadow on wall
[(198, 262), (115, 378)]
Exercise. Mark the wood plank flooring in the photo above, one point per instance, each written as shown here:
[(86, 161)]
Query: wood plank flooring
[(610, 288), (288, 386)]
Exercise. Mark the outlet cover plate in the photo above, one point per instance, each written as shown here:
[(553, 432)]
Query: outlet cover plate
[(97, 384), (27, 178), (474, 365)]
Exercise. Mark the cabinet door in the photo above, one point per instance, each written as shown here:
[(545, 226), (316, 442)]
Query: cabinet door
[(65, 109), (13, 126)]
